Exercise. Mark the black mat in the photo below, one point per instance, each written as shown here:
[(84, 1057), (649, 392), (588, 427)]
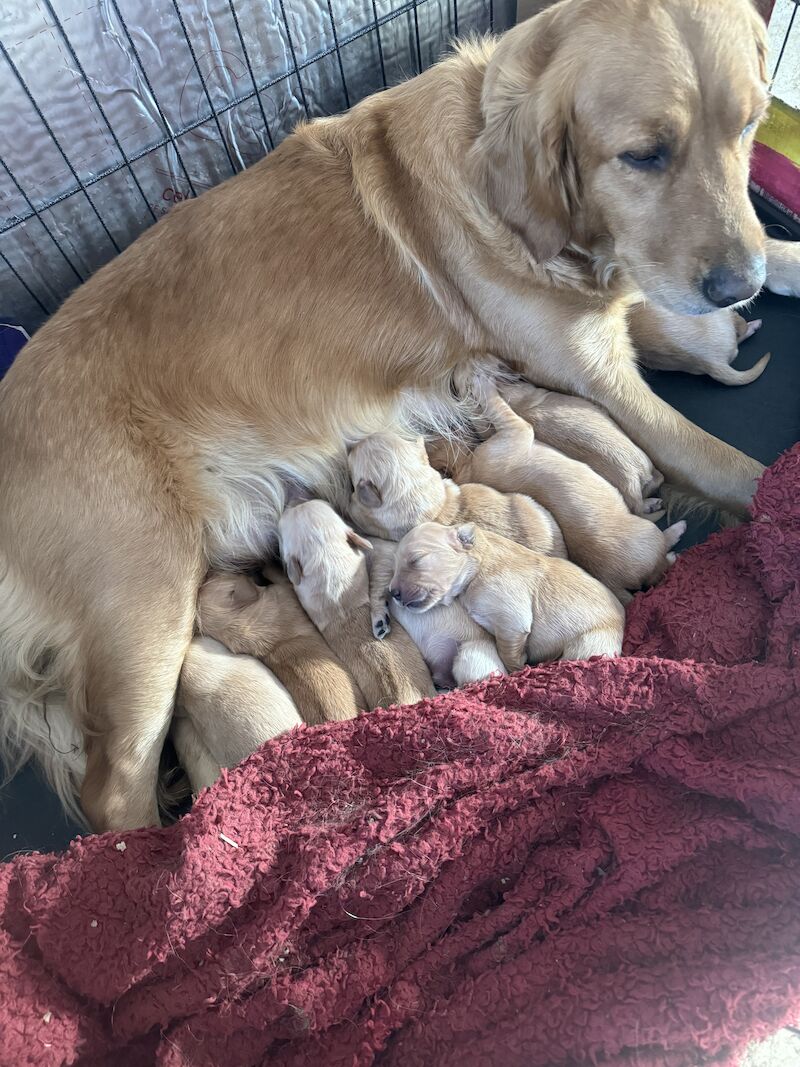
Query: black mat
[(762, 419)]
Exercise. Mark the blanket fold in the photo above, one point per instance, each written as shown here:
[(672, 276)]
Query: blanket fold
[(584, 862)]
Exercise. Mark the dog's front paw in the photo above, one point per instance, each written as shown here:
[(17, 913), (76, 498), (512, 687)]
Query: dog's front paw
[(381, 625)]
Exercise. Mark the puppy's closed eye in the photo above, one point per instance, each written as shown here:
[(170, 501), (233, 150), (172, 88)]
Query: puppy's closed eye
[(369, 494)]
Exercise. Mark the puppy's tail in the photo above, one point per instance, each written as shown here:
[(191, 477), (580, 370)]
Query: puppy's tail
[(37, 658), (730, 376)]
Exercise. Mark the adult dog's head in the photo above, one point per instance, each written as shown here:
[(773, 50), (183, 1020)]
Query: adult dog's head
[(633, 120)]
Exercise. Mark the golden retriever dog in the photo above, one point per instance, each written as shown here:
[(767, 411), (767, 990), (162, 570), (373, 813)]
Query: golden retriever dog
[(581, 430), (326, 563), (456, 650), (537, 607), (515, 199), (225, 708), (624, 551), (396, 488), (269, 623)]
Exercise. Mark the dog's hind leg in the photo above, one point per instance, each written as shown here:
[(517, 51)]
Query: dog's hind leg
[(132, 657)]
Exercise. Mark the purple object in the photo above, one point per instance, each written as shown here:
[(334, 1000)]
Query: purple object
[(12, 338)]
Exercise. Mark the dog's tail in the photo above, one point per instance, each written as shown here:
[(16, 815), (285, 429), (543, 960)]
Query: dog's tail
[(38, 658), (730, 376)]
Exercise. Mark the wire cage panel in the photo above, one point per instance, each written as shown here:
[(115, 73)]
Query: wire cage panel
[(116, 110)]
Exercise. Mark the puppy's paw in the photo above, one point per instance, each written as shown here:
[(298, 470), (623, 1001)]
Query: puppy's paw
[(382, 626), (651, 505)]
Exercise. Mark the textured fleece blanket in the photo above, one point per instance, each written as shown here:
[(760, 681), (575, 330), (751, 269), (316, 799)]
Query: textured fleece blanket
[(587, 862)]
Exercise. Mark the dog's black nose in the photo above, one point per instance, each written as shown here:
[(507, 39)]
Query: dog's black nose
[(724, 287), (394, 594)]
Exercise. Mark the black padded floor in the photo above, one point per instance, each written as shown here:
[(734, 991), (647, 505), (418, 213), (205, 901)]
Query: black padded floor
[(762, 419)]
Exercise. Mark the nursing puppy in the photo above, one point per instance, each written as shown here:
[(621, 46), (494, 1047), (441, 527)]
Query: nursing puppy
[(584, 432), (537, 607), (623, 550), (326, 563), (226, 707), (395, 489), (268, 622), (456, 650)]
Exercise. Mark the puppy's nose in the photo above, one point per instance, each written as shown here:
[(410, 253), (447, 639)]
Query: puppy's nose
[(724, 287), (394, 594)]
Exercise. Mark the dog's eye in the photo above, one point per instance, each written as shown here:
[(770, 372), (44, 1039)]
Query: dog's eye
[(748, 129), (651, 159)]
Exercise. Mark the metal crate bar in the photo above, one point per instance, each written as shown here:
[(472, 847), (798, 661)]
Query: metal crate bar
[(170, 138), (338, 54), (22, 282), (785, 41), (33, 212), (294, 59), (234, 168), (250, 72), (57, 143), (376, 24), (57, 22)]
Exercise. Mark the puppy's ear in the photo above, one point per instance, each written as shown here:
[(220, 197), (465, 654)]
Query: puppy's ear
[(368, 494), (422, 451), (465, 536), (294, 570), (525, 155), (356, 541), (244, 591)]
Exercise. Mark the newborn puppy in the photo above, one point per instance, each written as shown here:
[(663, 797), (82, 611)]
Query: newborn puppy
[(268, 622), (327, 566), (456, 649), (395, 489), (537, 607), (623, 550), (584, 432), (226, 707), (695, 344)]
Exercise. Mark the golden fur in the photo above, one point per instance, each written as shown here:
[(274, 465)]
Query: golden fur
[(456, 650), (536, 607), (396, 488), (623, 550), (225, 708), (326, 563), (268, 622), (327, 292)]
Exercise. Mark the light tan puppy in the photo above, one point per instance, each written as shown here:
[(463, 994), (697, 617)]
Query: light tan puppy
[(456, 650), (326, 563), (623, 550), (537, 607), (515, 199), (395, 489), (584, 432), (783, 268), (226, 707), (702, 344), (268, 622)]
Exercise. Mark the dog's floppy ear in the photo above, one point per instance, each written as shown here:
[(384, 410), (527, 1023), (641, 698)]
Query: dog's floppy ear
[(368, 494), (465, 536), (244, 591), (525, 154), (357, 541), (294, 570)]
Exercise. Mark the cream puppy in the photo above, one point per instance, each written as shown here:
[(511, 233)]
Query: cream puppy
[(456, 650), (326, 563), (395, 489), (537, 607), (581, 430), (226, 707), (622, 550), (268, 622)]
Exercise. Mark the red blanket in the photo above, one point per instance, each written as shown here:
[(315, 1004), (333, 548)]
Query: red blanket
[(585, 863)]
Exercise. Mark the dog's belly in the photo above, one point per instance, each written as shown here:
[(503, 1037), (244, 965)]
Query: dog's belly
[(244, 483)]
